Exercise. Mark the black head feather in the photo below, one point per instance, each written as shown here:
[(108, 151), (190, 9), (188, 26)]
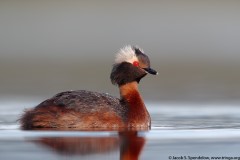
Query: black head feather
[(143, 58), (125, 72)]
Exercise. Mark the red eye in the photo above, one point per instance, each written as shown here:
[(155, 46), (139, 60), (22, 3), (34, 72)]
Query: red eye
[(136, 63)]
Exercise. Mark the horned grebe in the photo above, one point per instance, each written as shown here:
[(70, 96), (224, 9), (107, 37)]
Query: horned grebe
[(90, 110)]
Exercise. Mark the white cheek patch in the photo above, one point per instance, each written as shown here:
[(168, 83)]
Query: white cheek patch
[(126, 54)]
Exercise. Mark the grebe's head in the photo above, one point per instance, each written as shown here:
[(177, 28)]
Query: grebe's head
[(131, 64)]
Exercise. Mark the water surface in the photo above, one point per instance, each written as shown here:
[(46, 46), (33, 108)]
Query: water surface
[(189, 130)]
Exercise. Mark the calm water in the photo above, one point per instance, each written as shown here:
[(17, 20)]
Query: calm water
[(184, 131)]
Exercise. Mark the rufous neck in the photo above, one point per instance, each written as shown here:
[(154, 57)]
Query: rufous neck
[(137, 115), (128, 88), (130, 94)]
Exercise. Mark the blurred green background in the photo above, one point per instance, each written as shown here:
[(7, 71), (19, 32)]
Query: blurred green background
[(55, 45)]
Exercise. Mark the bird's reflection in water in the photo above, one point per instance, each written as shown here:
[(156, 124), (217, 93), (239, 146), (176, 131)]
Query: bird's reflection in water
[(129, 143)]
